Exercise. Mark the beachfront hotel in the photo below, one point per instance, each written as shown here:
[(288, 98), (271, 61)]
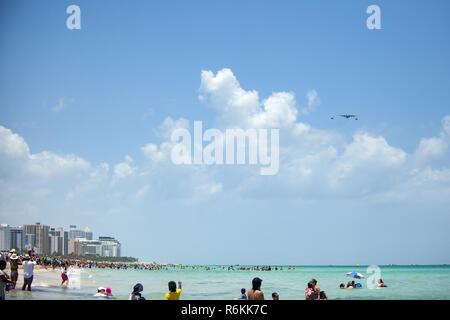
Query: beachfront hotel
[(46, 240)]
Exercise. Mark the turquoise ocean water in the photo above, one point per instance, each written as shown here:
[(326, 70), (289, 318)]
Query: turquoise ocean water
[(404, 282)]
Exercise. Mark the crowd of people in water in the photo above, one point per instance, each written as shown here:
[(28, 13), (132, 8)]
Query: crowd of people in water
[(29, 260)]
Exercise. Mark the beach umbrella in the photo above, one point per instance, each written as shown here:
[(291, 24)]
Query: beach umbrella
[(355, 275)]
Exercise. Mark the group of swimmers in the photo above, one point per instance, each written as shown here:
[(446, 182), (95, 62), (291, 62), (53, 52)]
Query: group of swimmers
[(312, 292), (352, 285)]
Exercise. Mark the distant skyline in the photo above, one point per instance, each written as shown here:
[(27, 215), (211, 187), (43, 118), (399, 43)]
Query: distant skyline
[(86, 117)]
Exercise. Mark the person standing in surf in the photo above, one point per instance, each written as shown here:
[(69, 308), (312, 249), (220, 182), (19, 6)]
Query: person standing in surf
[(255, 292), (174, 293), (14, 263), (28, 271), (64, 275)]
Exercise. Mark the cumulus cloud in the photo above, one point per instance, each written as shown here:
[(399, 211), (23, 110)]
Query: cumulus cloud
[(240, 107), (12, 145), (16, 158), (166, 128), (434, 147), (124, 169), (279, 110), (431, 148)]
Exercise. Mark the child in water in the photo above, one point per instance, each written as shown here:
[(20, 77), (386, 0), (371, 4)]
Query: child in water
[(64, 276), (309, 291)]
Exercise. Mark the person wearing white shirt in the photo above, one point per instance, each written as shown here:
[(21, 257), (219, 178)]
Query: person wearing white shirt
[(28, 271)]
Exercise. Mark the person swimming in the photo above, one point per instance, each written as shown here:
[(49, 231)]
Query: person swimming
[(136, 294), (380, 284), (243, 295), (275, 296), (323, 296), (342, 286), (101, 292), (255, 293)]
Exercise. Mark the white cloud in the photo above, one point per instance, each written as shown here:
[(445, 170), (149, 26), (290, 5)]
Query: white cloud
[(12, 145), (15, 158), (239, 107), (279, 111), (434, 147), (224, 92), (124, 169), (446, 125), (313, 100), (47, 163), (431, 148), (151, 151), (366, 148), (169, 125)]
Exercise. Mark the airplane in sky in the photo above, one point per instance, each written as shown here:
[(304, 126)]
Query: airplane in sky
[(347, 116)]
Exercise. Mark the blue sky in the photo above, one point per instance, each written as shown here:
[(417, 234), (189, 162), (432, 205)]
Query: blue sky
[(101, 93)]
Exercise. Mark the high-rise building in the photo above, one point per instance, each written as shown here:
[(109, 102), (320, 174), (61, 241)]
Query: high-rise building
[(84, 247), (71, 245), (11, 238), (48, 241), (65, 241), (56, 242), (88, 234), (37, 237), (5, 238), (79, 234), (17, 238), (30, 241), (110, 247)]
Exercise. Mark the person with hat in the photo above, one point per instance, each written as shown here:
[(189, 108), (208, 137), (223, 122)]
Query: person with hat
[(14, 263), (255, 292), (28, 271)]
